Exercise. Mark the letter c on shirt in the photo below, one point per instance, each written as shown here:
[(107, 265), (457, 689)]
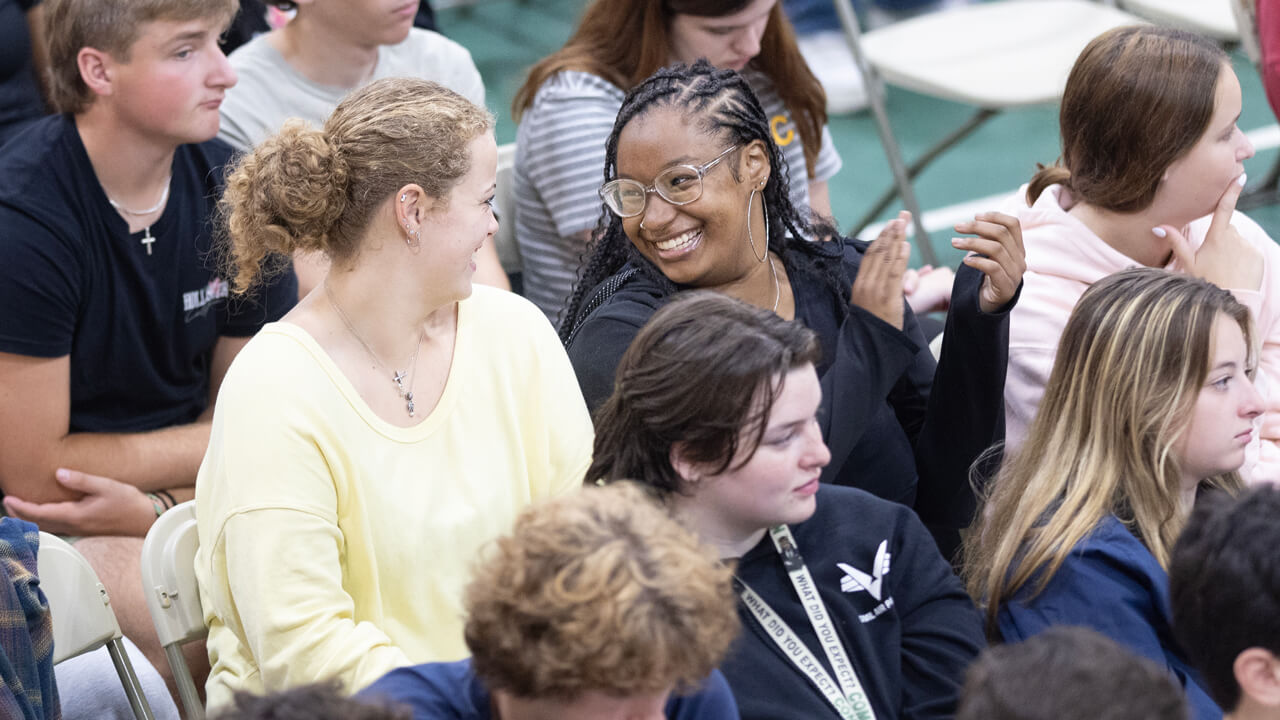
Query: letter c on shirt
[(782, 138)]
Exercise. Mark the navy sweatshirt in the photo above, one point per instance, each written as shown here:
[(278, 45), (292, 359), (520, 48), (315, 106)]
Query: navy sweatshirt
[(910, 646), (1113, 584)]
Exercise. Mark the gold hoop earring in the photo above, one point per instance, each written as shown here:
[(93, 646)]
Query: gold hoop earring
[(750, 201)]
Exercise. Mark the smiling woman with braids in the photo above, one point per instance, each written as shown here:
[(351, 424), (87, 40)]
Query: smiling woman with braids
[(567, 105), (699, 199)]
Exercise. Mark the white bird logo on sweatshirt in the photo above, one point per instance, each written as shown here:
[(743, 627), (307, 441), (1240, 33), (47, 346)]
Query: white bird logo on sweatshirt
[(855, 580)]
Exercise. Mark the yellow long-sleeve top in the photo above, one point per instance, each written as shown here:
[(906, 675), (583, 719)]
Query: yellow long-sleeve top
[(336, 545)]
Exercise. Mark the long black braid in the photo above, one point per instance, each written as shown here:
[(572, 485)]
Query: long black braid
[(719, 101)]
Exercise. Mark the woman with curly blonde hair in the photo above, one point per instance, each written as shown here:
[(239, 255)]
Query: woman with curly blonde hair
[(597, 605), (396, 411), (1151, 401)]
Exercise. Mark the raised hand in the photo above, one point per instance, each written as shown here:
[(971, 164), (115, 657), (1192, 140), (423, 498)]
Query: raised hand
[(1225, 258), (878, 285), (106, 507), (998, 252)]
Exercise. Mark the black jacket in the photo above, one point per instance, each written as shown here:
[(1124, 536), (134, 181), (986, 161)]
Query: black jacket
[(890, 413)]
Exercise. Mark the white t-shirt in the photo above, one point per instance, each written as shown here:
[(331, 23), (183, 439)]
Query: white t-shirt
[(270, 91)]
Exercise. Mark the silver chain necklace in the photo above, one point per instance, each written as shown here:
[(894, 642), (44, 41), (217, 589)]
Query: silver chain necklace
[(397, 376), (138, 213), (147, 237)]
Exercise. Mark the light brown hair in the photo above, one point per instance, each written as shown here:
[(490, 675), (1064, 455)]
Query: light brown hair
[(598, 591), (317, 190), (1129, 367), (595, 47), (1137, 99), (111, 26)]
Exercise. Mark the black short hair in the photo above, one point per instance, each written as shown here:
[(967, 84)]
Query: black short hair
[(1068, 672), (319, 701), (1224, 584)]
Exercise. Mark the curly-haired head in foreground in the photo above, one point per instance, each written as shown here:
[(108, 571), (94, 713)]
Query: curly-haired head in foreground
[(599, 591)]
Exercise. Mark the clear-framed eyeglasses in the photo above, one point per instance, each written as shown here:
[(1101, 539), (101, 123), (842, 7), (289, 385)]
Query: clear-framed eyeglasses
[(678, 185)]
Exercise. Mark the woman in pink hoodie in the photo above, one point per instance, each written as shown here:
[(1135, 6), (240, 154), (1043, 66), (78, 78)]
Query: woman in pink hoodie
[(1151, 167)]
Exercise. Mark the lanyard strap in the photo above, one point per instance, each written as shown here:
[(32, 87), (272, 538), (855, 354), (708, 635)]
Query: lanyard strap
[(849, 699)]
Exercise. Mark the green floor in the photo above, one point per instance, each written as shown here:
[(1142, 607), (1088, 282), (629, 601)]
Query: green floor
[(506, 36)]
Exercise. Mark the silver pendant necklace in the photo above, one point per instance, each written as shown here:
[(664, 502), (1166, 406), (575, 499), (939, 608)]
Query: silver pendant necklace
[(147, 237), (397, 376)]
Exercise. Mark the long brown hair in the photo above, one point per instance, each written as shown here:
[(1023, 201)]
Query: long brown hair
[(1137, 99), (626, 41), (1129, 367)]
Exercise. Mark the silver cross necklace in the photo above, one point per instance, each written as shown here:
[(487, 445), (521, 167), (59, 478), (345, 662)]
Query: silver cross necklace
[(147, 237), (397, 376)]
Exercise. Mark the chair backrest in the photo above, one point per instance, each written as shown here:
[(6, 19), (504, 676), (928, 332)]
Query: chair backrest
[(82, 617), (169, 576), (1213, 18), (169, 582), (505, 205), (78, 603)]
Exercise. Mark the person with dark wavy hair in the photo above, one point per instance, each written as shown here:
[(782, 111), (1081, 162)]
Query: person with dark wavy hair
[(699, 196), (848, 609)]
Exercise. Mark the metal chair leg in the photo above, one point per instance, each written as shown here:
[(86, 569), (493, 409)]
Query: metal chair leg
[(186, 686), (892, 151), (913, 170), (129, 679)]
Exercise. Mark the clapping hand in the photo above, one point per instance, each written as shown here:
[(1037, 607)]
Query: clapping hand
[(878, 285)]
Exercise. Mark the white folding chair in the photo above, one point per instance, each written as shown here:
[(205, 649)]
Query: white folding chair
[(1213, 18), (169, 582), (994, 55), (81, 614), (505, 206)]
